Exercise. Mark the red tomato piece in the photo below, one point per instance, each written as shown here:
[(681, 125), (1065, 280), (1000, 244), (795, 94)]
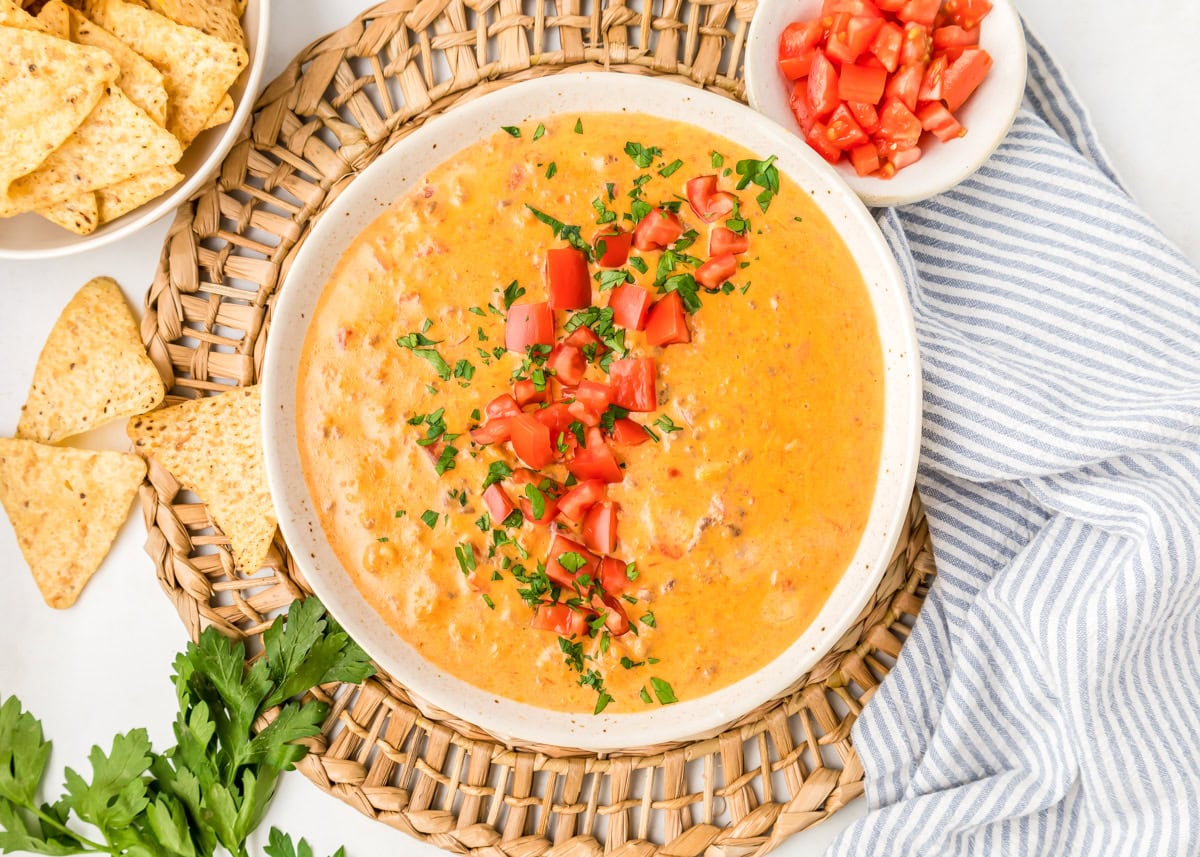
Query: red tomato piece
[(531, 441), (595, 460), (626, 432), (801, 109), (555, 417), (905, 157), (899, 128), (954, 36), (854, 7), (800, 38), (567, 279), (561, 619), (722, 241), (865, 159), (528, 324), (614, 578), (582, 337), (968, 13), (562, 575), (666, 324), (844, 132), (794, 68), (865, 115), (916, 45), (890, 5), (931, 83), (634, 383), (503, 405), (595, 395), (630, 304), (498, 504), (616, 248), (940, 122), (964, 75), (549, 509), (822, 86), (706, 201), (575, 503), (527, 394), (585, 413), (818, 138), (860, 31), (496, 431), (713, 273), (657, 230), (616, 620), (568, 364), (600, 527), (886, 45), (906, 85), (859, 83), (921, 12)]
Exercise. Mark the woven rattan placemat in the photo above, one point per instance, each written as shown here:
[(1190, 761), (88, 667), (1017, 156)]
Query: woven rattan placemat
[(341, 102)]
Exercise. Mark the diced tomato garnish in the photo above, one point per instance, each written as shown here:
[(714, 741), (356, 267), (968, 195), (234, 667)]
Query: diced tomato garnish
[(614, 578), (526, 393), (904, 157), (567, 279), (626, 432), (498, 504), (561, 619), (630, 304), (799, 38), (921, 12), (822, 86), (549, 507), (859, 83), (657, 230), (496, 431), (503, 405), (939, 121), (600, 527), (706, 201), (555, 417), (906, 85), (531, 441), (844, 132), (818, 138), (865, 159), (666, 323), (916, 45), (634, 384), (886, 45), (713, 273), (898, 127), (595, 460), (616, 620), (559, 573), (865, 115), (528, 324), (967, 13), (575, 503), (594, 394), (851, 35), (616, 249), (581, 337), (585, 413), (722, 241), (931, 83), (794, 68), (568, 364), (801, 109), (954, 36), (964, 75)]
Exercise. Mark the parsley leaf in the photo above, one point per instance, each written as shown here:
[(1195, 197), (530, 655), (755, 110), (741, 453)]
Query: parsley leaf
[(578, 126), (671, 168), (511, 130), (511, 292), (539, 131), (642, 156), (764, 174), (663, 691)]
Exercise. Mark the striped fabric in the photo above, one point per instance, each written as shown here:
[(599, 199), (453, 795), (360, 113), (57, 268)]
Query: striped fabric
[(1048, 702)]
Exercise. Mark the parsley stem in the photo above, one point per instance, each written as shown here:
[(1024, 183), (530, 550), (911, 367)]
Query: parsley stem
[(47, 819)]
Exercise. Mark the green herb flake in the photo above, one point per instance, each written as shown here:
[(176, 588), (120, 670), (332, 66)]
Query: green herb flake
[(641, 155), (648, 619), (511, 292), (487, 599), (671, 168), (667, 424), (645, 696), (400, 513), (539, 131), (718, 160), (465, 554), (446, 460), (430, 518), (511, 130), (638, 264), (552, 170), (764, 174), (537, 501), (663, 691), (497, 472), (602, 702), (578, 126), (631, 572)]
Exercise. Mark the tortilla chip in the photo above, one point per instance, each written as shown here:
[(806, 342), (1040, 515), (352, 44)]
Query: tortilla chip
[(66, 507), (54, 19), (140, 80), (222, 114), (217, 18), (117, 141), (48, 87), (197, 69), (213, 447), (125, 196), (80, 214), (12, 15), (92, 370)]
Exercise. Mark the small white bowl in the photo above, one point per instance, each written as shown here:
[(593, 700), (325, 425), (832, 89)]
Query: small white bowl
[(987, 115), (28, 236), (399, 169)]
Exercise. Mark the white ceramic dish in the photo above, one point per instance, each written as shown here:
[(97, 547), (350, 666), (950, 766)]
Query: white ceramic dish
[(987, 115), (28, 236), (407, 163)]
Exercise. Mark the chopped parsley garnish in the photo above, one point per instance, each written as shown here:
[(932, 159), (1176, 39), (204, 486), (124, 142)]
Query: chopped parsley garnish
[(631, 571), (421, 345), (511, 292), (539, 131), (671, 168), (604, 213), (570, 560), (430, 518), (417, 340), (382, 539), (497, 472), (663, 691), (567, 232), (552, 170), (628, 663), (487, 599), (642, 156), (611, 279), (602, 702), (511, 130), (484, 522), (639, 264), (718, 160), (465, 554), (464, 369), (688, 290), (573, 652), (578, 126), (610, 416), (577, 428), (611, 189), (645, 696), (764, 174), (649, 620), (667, 424), (436, 427), (400, 513), (446, 460), (537, 501), (478, 310)]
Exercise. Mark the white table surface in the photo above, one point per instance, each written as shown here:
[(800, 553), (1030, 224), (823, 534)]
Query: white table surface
[(102, 667)]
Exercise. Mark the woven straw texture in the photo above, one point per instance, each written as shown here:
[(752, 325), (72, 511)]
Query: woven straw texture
[(341, 102)]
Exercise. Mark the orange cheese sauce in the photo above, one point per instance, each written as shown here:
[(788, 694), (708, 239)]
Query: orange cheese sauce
[(740, 524)]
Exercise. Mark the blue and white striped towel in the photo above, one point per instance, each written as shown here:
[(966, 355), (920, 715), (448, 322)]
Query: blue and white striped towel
[(1048, 702)]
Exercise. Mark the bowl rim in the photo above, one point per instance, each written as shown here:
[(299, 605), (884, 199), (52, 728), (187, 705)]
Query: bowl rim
[(156, 209), (1008, 78), (362, 201)]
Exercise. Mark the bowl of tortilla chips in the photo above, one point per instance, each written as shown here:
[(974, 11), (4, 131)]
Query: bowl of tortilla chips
[(113, 112)]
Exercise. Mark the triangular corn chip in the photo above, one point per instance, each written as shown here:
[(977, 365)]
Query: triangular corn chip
[(80, 214), (127, 195), (217, 18), (222, 114), (213, 447), (92, 370), (66, 507)]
